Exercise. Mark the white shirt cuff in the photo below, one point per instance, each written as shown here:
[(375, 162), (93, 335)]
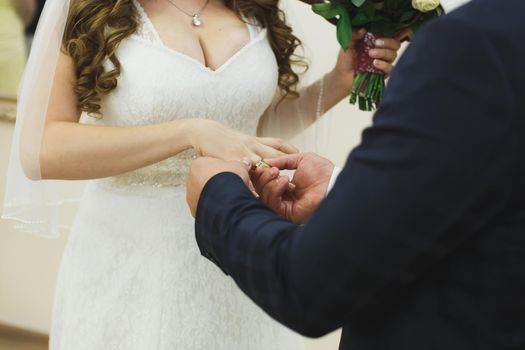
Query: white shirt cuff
[(450, 5), (333, 178)]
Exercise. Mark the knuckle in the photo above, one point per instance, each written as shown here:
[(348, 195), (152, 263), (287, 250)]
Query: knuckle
[(310, 154)]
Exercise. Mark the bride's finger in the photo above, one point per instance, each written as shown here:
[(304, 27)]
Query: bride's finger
[(288, 162), (387, 43), (278, 144), (252, 156), (387, 55), (384, 66), (265, 151)]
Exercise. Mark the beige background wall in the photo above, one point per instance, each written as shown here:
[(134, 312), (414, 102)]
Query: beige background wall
[(28, 265)]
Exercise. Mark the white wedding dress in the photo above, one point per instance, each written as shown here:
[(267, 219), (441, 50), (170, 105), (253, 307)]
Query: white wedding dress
[(132, 276)]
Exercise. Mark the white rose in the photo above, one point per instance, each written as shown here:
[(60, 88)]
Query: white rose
[(425, 5)]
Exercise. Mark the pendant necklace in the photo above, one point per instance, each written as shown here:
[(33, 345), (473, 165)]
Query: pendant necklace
[(196, 17)]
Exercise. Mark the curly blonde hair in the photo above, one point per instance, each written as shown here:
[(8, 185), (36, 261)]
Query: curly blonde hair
[(95, 28)]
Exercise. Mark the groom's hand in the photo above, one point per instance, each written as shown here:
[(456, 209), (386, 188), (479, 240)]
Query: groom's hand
[(309, 184), (204, 168)]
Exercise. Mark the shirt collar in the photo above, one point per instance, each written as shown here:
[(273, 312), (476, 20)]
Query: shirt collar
[(450, 5)]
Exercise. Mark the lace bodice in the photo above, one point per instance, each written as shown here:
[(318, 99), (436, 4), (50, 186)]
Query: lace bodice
[(158, 84), (132, 277)]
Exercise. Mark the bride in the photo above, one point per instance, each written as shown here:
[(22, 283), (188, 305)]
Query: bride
[(139, 88)]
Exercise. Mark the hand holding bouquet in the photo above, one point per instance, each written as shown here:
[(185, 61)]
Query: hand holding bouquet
[(380, 18)]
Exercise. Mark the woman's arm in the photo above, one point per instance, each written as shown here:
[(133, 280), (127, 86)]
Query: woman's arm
[(288, 117), (74, 151)]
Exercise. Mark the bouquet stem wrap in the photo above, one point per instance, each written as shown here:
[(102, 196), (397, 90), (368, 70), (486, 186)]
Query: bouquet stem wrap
[(369, 82)]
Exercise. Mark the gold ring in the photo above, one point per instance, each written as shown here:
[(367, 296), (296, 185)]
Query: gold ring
[(262, 164)]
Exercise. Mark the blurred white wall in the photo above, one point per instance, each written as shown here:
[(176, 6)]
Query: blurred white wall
[(28, 265)]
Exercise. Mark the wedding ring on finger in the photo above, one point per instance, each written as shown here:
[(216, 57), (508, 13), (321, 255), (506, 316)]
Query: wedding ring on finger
[(262, 164)]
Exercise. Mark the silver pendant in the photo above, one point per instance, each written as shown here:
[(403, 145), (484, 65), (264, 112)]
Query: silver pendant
[(196, 21)]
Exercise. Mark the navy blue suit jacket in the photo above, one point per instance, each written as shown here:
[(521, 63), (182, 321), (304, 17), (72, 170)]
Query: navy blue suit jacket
[(421, 243)]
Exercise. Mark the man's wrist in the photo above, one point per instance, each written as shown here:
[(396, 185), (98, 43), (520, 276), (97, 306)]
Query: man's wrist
[(224, 187)]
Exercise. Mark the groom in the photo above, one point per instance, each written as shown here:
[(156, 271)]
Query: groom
[(421, 242)]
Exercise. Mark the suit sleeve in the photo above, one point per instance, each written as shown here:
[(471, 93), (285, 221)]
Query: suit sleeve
[(432, 171)]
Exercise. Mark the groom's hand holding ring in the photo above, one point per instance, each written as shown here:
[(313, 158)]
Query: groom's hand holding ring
[(298, 200)]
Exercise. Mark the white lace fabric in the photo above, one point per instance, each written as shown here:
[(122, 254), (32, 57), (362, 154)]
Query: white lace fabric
[(178, 86), (132, 277)]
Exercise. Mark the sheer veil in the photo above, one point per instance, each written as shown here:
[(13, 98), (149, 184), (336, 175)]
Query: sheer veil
[(38, 206), (41, 206), (34, 204)]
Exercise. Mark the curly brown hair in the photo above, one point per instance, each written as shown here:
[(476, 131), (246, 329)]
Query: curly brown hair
[(95, 28)]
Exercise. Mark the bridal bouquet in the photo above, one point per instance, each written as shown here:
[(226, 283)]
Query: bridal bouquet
[(381, 18)]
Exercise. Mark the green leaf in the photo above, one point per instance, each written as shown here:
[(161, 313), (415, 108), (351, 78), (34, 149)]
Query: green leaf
[(385, 28), (358, 3), (360, 19), (344, 29), (327, 10), (407, 16), (368, 9)]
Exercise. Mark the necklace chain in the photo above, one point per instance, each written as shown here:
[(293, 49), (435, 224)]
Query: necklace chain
[(195, 18)]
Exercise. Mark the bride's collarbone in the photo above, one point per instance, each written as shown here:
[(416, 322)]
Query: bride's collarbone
[(218, 39)]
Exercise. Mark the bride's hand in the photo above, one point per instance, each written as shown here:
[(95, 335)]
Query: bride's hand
[(211, 138), (384, 55)]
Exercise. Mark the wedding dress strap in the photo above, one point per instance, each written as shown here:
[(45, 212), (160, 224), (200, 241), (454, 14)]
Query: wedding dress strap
[(146, 30), (253, 28)]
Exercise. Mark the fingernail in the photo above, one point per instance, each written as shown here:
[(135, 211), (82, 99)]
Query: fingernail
[(291, 186), (246, 161), (377, 63), (380, 42), (373, 53)]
